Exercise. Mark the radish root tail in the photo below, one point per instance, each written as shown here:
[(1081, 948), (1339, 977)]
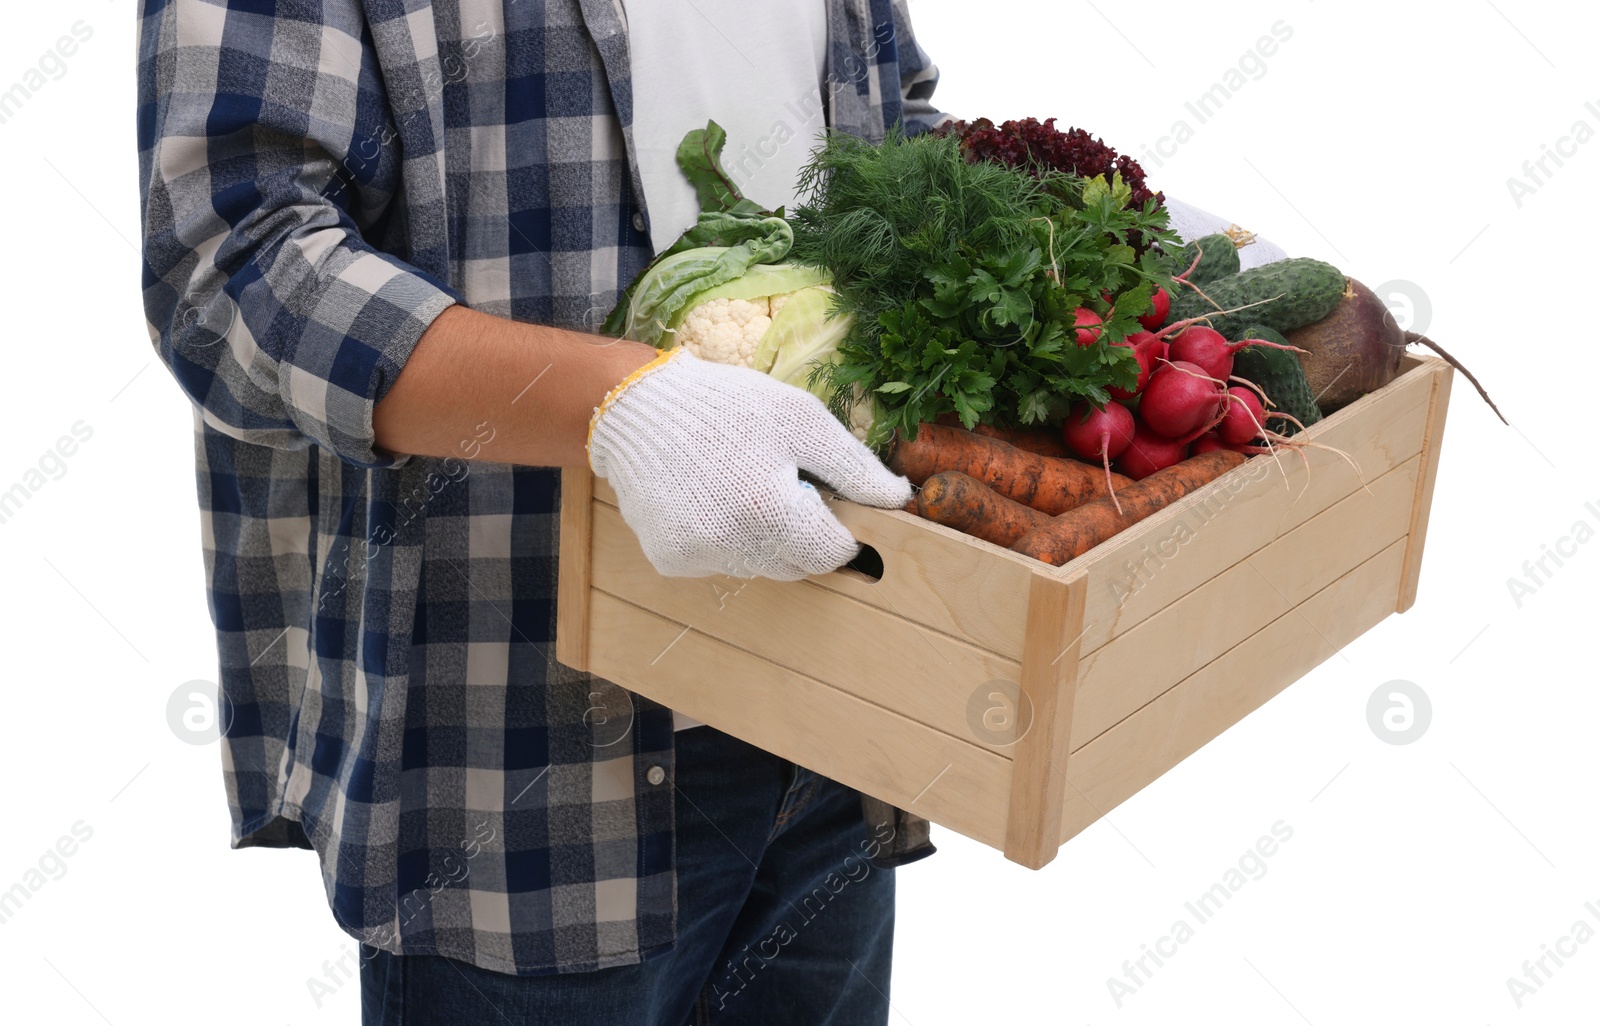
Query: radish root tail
[(1273, 441), (1257, 389), (1184, 277), (1105, 461)]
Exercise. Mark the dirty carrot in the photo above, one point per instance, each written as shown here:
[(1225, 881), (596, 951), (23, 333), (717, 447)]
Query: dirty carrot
[(955, 500), (1047, 484), (1070, 535)]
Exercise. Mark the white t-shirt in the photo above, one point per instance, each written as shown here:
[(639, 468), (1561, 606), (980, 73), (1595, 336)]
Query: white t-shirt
[(755, 67)]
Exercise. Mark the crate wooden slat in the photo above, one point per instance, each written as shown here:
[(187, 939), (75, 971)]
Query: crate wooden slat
[(1423, 503), (1048, 689), (878, 751), (577, 555), (865, 651), (1119, 763), (1137, 665), (874, 683)]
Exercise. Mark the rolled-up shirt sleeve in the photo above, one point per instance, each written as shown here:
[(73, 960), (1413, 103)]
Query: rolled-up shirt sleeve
[(266, 148)]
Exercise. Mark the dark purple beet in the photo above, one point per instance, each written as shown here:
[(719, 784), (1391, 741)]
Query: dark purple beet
[(1354, 350)]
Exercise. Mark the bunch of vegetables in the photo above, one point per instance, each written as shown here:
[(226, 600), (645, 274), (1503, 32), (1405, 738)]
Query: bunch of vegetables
[(1004, 315)]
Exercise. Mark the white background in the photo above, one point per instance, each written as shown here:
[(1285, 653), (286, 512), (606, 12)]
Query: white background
[(1419, 877)]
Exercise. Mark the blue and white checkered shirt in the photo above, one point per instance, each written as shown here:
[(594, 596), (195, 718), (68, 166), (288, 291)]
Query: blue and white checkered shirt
[(320, 178)]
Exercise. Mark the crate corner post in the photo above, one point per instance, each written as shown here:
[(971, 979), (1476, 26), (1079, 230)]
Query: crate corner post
[(575, 565), (1049, 684), (1422, 501)]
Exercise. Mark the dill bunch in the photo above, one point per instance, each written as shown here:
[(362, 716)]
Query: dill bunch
[(878, 217)]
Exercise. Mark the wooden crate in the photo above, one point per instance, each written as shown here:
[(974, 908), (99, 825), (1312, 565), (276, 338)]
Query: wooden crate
[(1011, 701)]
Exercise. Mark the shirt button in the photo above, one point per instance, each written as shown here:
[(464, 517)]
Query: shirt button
[(655, 774), (638, 222)]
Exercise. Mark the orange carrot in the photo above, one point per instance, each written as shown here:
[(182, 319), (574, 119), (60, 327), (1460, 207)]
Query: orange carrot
[(1049, 485), (1070, 535), (972, 507)]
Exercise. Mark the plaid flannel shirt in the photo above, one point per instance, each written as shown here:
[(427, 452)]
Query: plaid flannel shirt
[(320, 179)]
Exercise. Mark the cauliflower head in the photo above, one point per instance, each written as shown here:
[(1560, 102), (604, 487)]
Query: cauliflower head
[(774, 318), (726, 330)]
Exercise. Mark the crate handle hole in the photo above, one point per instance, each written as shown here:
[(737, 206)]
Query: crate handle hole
[(866, 566)]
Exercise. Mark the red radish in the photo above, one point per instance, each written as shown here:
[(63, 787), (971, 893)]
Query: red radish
[(1158, 315), (1244, 419), (1099, 435), (1088, 323), (1149, 452), (1147, 363), (1180, 401), (1156, 344), (1207, 348)]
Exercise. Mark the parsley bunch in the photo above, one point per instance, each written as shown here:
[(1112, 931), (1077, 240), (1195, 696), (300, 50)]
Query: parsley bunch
[(964, 280)]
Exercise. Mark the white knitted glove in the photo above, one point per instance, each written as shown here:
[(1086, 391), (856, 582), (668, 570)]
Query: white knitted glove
[(1193, 223), (704, 459)]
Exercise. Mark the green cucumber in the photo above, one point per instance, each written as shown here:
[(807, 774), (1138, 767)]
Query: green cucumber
[(1279, 374), (1291, 293), (1219, 258)]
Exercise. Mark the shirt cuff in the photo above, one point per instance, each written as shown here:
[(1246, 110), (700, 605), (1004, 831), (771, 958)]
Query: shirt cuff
[(370, 315)]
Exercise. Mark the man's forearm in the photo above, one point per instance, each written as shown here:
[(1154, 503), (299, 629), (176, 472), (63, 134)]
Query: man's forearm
[(483, 387)]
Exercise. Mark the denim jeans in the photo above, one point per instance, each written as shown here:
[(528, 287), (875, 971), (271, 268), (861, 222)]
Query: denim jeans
[(781, 920)]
